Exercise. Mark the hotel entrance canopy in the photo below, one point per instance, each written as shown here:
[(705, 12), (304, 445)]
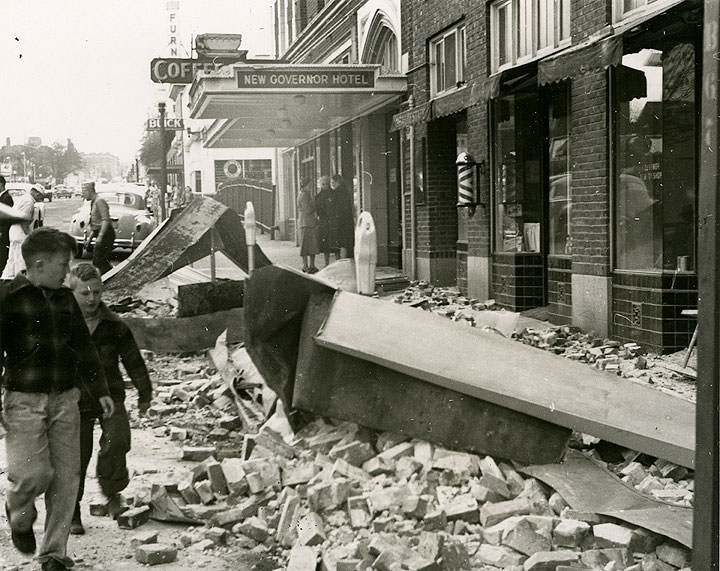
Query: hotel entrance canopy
[(283, 105)]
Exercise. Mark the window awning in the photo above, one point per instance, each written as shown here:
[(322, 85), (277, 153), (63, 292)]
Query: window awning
[(441, 106), (282, 105), (583, 58), (601, 52)]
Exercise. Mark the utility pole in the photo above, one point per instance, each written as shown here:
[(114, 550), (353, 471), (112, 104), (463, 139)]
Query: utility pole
[(707, 449), (163, 162)]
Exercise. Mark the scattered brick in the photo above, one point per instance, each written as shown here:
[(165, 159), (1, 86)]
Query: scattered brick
[(155, 553), (135, 517)]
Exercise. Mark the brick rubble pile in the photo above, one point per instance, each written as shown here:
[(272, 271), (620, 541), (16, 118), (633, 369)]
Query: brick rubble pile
[(340, 497)]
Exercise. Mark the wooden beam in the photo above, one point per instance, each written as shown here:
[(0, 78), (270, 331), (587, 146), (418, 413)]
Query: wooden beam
[(522, 378), (707, 494)]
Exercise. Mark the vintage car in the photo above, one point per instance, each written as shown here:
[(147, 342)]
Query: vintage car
[(130, 217), (17, 189)]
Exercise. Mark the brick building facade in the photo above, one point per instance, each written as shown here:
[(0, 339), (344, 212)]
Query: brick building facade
[(580, 118)]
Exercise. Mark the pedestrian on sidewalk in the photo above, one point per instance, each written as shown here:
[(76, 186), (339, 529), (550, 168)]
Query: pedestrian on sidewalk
[(7, 200), (101, 228), (44, 343), (114, 342), (19, 231), (343, 229), (308, 227)]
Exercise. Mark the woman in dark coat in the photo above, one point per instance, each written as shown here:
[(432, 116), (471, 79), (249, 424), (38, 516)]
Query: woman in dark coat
[(335, 210)]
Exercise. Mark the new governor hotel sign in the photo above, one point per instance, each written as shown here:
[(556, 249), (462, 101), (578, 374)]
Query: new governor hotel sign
[(305, 78)]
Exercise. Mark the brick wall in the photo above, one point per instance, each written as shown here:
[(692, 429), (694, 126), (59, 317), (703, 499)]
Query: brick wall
[(589, 167), (587, 17), (437, 218)]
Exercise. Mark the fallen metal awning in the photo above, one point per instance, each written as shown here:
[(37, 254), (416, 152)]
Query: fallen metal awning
[(512, 375), (189, 235), (283, 105)]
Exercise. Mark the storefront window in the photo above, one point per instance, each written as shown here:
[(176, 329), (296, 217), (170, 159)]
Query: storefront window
[(559, 165), (517, 173), (655, 134)]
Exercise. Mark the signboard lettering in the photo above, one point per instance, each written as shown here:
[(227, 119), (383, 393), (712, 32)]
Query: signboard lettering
[(180, 70), (291, 78), (171, 124)]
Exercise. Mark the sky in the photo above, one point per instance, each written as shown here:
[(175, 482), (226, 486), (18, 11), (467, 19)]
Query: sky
[(80, 69)]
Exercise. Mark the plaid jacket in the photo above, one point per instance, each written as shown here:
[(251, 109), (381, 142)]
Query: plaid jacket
[(44, 342)]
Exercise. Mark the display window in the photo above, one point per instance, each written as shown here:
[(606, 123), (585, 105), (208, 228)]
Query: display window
[(655, 136)]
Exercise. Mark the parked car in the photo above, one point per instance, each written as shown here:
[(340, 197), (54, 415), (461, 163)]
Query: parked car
[(17, 189), (62, 191), (130, 218)]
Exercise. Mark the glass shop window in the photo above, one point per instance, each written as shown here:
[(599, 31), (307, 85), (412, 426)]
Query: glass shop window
[(655, 159), (517, 175), (558, 103)]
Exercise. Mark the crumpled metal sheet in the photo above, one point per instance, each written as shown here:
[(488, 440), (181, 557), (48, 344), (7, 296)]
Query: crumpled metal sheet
[(181, 240), (587, 486)]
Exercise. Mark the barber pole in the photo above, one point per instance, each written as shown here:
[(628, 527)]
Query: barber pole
[(466, 183)]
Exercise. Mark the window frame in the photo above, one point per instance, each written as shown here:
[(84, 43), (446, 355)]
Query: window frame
[(619, 15), (460, 65), (522, 29)]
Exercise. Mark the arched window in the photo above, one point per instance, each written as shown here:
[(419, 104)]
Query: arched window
[(381, 46)]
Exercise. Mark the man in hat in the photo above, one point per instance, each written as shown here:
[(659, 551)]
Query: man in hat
[(101, 228)]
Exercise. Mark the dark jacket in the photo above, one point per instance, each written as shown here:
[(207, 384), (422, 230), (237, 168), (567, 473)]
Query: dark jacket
[(6, 199), (114, 341), (44, 341)]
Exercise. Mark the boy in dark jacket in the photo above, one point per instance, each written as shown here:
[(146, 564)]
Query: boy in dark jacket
[(114, 342), (44, 345)]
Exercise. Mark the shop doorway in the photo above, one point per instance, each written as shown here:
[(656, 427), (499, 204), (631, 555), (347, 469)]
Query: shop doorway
[(531, 188)]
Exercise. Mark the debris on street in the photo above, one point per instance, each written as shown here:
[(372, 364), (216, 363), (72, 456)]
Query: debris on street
[(627, 360), (346, 497)]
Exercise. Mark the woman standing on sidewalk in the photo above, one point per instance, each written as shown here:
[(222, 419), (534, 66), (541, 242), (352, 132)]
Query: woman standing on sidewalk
[(308, 227)]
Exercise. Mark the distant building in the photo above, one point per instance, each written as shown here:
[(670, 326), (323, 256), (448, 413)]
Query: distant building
[(34, 142), (99, 166)]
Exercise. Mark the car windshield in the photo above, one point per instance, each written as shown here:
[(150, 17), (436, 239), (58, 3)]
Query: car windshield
[(124, 198)]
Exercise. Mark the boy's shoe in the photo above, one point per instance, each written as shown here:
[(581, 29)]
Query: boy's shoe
[(115, 506), (53, 565), (24, 541), (312, 270), (76, 527)]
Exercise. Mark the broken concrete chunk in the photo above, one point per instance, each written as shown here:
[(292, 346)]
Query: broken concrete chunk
[(549, 560), (327, 496), (234, 473), (612, 535), (557, 503), (397, 451), (497, 556), (135, 517), (359, 512), (417, 506), (570, 533), (674, 555), (492, 513), (386, 498), (526, 537), (155, 553), (600, 558), (352, 473), (205, 492), (217, 535), (143, 537), (355, 452), (197, 453), (490, 468), (311, 530), (289, 517), (376, 466), (302, 558)]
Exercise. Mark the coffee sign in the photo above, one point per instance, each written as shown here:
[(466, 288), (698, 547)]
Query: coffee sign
[(290, 78), (180, 70)]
